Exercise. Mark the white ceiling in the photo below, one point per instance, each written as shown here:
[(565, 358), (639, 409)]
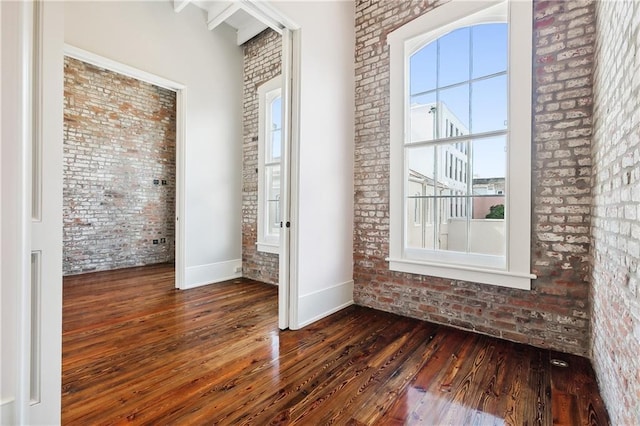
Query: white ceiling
[(234, 14)]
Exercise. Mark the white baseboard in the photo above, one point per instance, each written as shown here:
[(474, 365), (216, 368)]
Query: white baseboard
[(322, 303), (196, 276), (7, 408)]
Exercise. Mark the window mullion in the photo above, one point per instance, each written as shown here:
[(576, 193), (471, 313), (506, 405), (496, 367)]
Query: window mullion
[(454, 139)]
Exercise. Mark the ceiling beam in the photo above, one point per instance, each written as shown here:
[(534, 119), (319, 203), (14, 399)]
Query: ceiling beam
[(219, 12), (178, 5)]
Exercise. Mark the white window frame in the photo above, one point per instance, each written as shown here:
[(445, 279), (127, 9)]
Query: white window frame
[(267, 92), (514, 270)]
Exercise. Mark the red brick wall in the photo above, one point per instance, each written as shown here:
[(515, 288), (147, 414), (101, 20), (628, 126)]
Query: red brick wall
[(555, 313), (119, 135), (616, 210), (262, 62)]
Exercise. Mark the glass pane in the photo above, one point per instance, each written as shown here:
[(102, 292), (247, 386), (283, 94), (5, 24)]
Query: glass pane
[(276, 143), (272, 189), (454, 57), (453, 166), (489, 158), (454, 231), (276, 113), (489, 53), (489, 104), (423, 65), (421, 162), (420, 216), (454, 110), (487, 230), (423, 118), (421, 187)]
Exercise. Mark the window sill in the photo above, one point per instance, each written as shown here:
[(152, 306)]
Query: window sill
[(268, 248), (511, 279)]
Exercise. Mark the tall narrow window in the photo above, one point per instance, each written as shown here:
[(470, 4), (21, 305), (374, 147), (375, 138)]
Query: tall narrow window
[(456, 120), (269, 155)]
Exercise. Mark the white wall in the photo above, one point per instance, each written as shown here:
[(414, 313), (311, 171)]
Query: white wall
[(325, 189), (150, 36)]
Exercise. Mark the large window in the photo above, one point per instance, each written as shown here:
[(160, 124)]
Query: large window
[(269, 155), (460, 143)]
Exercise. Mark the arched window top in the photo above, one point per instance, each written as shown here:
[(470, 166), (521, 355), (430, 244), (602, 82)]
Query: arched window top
[(460, 78), (441, 26), (465, 53)]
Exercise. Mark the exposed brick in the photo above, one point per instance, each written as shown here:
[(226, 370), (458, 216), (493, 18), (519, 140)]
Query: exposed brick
[(615, 308), (262, 62), (119, 135), (554, 313)]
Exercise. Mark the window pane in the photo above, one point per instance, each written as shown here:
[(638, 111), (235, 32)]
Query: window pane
[(276, 113), (420, 233), (489, 104), (423, 66), (276, 143), (454, 107), (489, 157), (454, 57), (454, 232), (489, 49), (272, 189), (423, 119), (421, 163), (420, 203), (487, 230)]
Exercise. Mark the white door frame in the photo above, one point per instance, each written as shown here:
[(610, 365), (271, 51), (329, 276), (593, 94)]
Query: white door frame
[(288, 252), (288, 259), (181, 103)]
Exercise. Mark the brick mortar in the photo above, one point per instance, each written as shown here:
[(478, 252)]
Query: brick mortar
[(262, 62), (119, 135), (555, 313), (616, 210)]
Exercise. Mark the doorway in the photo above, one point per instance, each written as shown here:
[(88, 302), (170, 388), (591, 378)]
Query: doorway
[(119, 171), (123, 169)]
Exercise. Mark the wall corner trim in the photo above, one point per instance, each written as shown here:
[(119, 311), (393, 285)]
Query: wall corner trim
[(197, 276)]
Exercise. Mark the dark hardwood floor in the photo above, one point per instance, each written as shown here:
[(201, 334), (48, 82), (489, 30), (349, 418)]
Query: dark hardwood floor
[(135, 350)]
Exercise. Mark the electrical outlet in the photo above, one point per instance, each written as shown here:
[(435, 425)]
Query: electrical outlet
[(156, 182), (238, 269), (155, 241), (164, 182), (163, 240)]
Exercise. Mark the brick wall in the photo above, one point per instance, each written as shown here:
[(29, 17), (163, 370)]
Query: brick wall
[(616, 210), (262, 62), (119, 135), (555, 313)]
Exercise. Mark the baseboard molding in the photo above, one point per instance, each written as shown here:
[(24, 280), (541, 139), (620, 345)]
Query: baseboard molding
[(325, 302), (196, 276), (7, 410)]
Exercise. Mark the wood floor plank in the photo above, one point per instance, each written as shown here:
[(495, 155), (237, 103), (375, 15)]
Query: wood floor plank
[(138, 351)]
